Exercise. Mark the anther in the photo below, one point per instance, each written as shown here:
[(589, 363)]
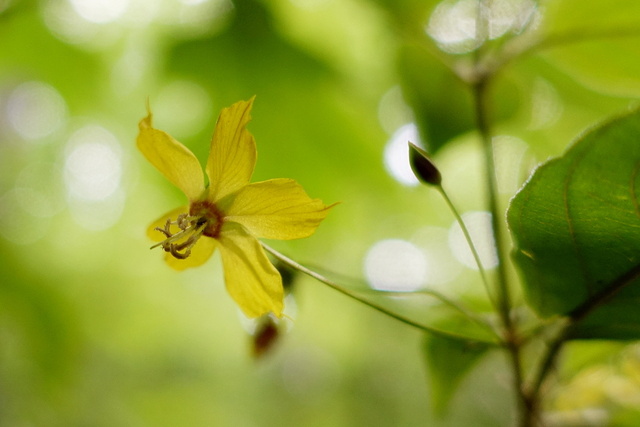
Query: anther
[(179, 255), (191, 229)]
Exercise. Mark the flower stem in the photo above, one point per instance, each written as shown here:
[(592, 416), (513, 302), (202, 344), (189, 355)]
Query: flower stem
[(472, 246), (527, 407), (333, 285)]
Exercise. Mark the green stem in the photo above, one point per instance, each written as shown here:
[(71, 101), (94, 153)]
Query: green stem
[(503, 293), (549, 361), (456, 305), (299, 267), (451, 303), (528, 408), (472, 246)]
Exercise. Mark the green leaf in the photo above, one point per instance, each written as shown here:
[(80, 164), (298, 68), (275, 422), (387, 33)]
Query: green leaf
[(576, 231), (448, 361), (580, 34)]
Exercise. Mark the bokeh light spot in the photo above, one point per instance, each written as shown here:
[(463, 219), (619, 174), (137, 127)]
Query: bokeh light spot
[(546, 105), (100, 11), (453, 22), (395, 265), (396, 154), (93, 172), (35, 110), (479, 226), (93, 167), (453, 25)]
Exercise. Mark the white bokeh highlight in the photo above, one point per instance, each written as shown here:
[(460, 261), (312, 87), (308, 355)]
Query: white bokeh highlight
[(395, 265), (100, 11), (93, 172), (35, 110), (396, 154), (93, 167), (453, 23)]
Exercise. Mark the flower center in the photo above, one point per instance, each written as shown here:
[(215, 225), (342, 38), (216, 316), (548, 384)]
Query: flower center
[(204, 218), (209, 214)]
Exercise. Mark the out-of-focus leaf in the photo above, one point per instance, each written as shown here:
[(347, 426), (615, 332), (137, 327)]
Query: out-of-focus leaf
[(428, 82), (448, 361), (597, 42), (442, 103), (576, 229)]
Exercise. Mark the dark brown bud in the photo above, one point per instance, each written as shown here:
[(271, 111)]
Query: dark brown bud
[(423, 168), (265, 336)]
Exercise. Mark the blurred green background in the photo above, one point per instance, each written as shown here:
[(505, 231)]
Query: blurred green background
[(96, 331)]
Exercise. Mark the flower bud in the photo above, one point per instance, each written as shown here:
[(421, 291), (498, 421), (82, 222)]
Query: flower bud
[(423, 168), (265, 336)]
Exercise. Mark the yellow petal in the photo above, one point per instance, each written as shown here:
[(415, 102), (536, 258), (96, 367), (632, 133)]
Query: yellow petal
[(156, 235), (233, 151), (171, 158), (276, 209), (200, 253), (251, 280)]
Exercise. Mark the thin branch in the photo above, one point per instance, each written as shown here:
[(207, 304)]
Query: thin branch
[(299, 267), (455, 305), (573, 320), (472, 246), (605, 295), (527, 407)]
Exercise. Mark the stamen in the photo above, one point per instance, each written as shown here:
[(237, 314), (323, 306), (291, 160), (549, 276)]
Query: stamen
[(165, 230), (191, 229)]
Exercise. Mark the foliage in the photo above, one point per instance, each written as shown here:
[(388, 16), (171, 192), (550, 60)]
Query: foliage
[(527, 111)]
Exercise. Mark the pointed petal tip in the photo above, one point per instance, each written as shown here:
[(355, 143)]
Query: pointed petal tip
[(146, 121), (334, 204), (232, 155), (171, 158)]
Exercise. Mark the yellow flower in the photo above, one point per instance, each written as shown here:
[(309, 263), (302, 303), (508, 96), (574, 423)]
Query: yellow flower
[(229, 213)]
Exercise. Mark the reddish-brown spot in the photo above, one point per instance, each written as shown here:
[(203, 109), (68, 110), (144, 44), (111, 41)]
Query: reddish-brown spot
[(207, 212)]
